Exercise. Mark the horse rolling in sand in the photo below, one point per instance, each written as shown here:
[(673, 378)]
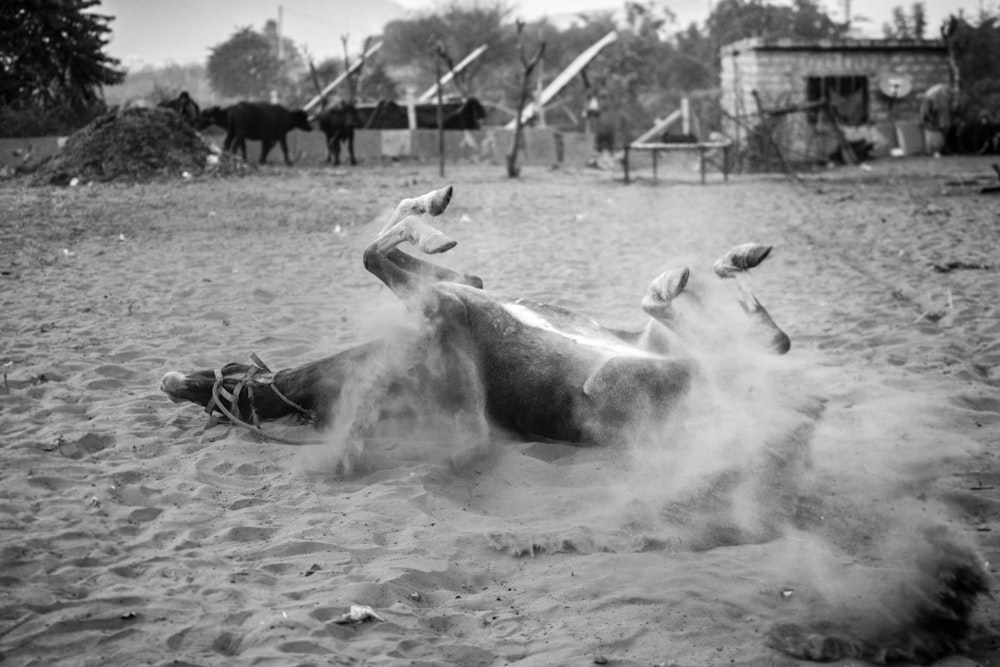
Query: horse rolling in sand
[(533, 369), (542, 372)]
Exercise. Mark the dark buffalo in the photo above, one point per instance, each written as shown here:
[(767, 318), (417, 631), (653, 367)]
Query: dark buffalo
[(337, 123), (266, 123), (218, 116), (467, 114), (186, 107), (384, 115)]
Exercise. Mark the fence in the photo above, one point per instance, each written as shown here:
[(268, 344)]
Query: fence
[(541, 147)]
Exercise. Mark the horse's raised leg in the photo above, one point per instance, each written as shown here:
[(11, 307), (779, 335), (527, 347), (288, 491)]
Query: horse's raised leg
[(431, 203), (736, 265), (659, 296), (407, 276), (659, 333), (432, 272), (406, 284)]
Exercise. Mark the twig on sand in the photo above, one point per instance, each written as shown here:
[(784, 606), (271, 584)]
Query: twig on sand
[(948, 267)]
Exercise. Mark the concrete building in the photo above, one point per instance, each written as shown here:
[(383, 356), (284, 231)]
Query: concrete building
[(873, 86)]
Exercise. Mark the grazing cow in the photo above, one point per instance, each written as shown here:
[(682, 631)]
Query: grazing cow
[(337, 124), (185, 106), (534, 369), (266, 123), (218, 116)]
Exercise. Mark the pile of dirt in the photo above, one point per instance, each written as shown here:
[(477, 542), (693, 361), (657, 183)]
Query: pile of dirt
[(136, 144)]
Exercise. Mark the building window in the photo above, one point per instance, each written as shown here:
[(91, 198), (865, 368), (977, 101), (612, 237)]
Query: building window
[(848, 97)]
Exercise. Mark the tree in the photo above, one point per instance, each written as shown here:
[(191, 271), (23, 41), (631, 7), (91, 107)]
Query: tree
[(974, 51), (907, 26), (733, 20), (290, 63), (247, 65), (52, 54), (377, 84), (528, 65), (460, 28)]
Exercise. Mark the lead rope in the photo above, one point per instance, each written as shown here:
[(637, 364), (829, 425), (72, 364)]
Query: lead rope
[(219, 392)]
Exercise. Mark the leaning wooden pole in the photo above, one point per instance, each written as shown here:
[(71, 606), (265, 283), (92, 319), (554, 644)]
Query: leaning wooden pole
[(429, 94), (340, 79), (563, 78), (440, 117)]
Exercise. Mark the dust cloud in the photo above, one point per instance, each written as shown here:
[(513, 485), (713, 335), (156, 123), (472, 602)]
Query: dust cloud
[(824, 466), (411, 401)]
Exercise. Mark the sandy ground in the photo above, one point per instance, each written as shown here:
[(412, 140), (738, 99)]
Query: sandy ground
[(130, 536)]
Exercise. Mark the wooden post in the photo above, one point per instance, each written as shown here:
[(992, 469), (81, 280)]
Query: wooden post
[(440, 117), (626, 163), (770, 138), (411, 109), (845, 148), (685, 116)]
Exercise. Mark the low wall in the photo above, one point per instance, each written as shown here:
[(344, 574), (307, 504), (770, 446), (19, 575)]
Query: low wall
[(541, 147)]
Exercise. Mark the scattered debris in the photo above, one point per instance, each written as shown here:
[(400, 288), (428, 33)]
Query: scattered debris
[(947, 267), (359, 614)]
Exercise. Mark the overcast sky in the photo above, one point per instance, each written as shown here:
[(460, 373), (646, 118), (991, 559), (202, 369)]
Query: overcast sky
[(181, 31)]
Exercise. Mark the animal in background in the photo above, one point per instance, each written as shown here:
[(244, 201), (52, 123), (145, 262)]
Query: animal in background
[(210, 116), (337, 124), (263, 122)]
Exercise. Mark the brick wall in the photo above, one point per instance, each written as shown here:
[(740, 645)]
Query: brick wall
[(779, 71)]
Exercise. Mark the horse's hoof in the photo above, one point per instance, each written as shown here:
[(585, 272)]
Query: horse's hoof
[(439, 200), (741, 258), (663, 290), (435, 243), (669, 284)]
